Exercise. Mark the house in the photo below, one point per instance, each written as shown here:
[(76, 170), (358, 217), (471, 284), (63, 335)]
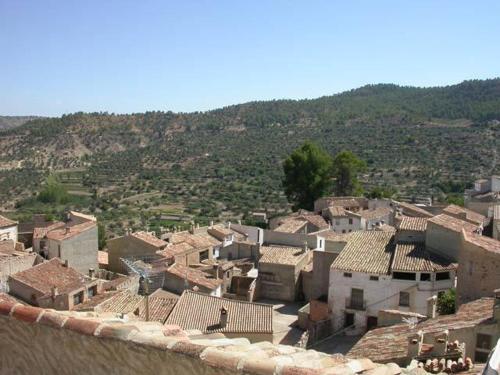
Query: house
[(476, 324), (484, 195), (179, 277), (301, 223), (465, 214), (132, 245), (374, 273), (410, 229), (209, 314), (8, 229), (76, 244), (413, 210), (13, 259), (377, 216), (279, 271), (353, 204), (221, 233), (53, 284), (193, 247), (342, 220)]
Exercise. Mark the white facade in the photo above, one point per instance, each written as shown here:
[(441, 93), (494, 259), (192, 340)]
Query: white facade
[(495, 184), (380, 292), (347, 224), (9, 233)]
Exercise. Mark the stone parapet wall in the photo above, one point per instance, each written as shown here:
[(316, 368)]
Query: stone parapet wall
[(35, 340)]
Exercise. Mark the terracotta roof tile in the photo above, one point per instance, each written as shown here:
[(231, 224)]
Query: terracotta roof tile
[(44, 276), (6, 222), (291, 226), (316, 220), (415, 258), (61, 234), (193, 275), (376, 213), (394, 339), (281, 255), (336, 211), (452, 223), (159, 308), (486, 243), (83, 216), (413, 210), (150, 239), (122, 302), (464, 214), (418, 224), (201, 311), (40, 232), (366, 251)]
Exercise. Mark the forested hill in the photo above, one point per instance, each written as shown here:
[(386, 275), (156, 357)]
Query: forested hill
[(7, 122), (413, 139)]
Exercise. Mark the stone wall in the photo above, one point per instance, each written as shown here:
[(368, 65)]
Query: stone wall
[(95, 345), (14, 265)]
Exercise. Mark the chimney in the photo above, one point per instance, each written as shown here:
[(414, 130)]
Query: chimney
[(191, 229), (441, 343), (414, 344), (91, 273), (211, 224), (228, 225), (239, 222), (54, 291), (431, 307), (496, 306), (66, 263), (223, 317), (305, 247)]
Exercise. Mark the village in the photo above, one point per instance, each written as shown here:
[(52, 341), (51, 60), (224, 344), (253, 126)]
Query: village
[(356, 276)]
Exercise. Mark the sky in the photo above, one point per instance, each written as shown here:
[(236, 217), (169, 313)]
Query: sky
[(124, 56)]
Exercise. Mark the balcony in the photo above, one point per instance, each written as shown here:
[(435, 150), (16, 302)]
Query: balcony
[(355, 304)]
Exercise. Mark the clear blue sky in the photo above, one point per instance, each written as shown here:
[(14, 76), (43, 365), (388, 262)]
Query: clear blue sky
[(131, 56)]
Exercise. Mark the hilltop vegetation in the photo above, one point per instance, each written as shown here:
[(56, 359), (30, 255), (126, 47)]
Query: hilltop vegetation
[(7, 122), (151, 168)]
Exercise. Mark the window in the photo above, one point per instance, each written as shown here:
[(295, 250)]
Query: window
[(442, 276), (374, 278), (92, 291), (78, 298), (425, 277), (357, 299), (350, 230), (348, 320), (404, 275), (337, 222), (483, 341), (480, 357), (343, 230), (347, 274), (350, 221), (404, 299), (204, 255)]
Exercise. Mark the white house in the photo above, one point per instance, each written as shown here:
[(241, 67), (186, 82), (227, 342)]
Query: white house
[(374, 273), (344, 221), (8, 229)]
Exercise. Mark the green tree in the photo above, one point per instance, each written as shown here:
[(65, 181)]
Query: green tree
[(346, 167), (101, 236), (307, 175), (53, 191), (446, 302)]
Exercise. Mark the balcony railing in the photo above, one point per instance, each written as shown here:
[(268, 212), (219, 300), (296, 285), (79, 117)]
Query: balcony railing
[(355, 304)]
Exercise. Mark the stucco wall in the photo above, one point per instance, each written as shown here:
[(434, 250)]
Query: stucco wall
[(442, 240), (126, 246), (322, 260), (81, 251), (13, 265)]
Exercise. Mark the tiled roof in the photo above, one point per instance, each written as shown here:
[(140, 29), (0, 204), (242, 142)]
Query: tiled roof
[(116, 282), (452, 223), (5, 222), (343, 202), (412, 210), (93, 302), (40, 232), (4, 297), (61, 234), (376, 213), (193, 276), (8, 249), (486, 243), (385, 228), (121, 302), (418, 224), (198, 241), (330, 235), (281, 255), (415, 258), (464, 214), (201, 311), (366, 251), (316, 220), (165, 294), (102, 257), (176, 249), (291, 226), (44, 276), (388, 344), (149, 239), (159, 308), (336, 211), (220, 232)]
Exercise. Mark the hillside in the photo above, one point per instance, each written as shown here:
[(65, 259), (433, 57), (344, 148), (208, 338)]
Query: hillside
[(8, 122), (223, 163)]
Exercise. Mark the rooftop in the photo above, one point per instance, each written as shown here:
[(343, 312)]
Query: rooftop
[(452, 223), (61, 233), (316, 220), (149, 239), (281, 255), (198, 241), (40, 232), (465, 214), (6, 222), (83, 216), (8, 249), (201, 311), (52, 273), (417, 224), (376, 213), (121, 302), (394, 339), (193, 276), (413, 257), (336, 211), (413, 210), (291, 226), (486, 243), (366, 251), (220, 232), (159, 308)]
